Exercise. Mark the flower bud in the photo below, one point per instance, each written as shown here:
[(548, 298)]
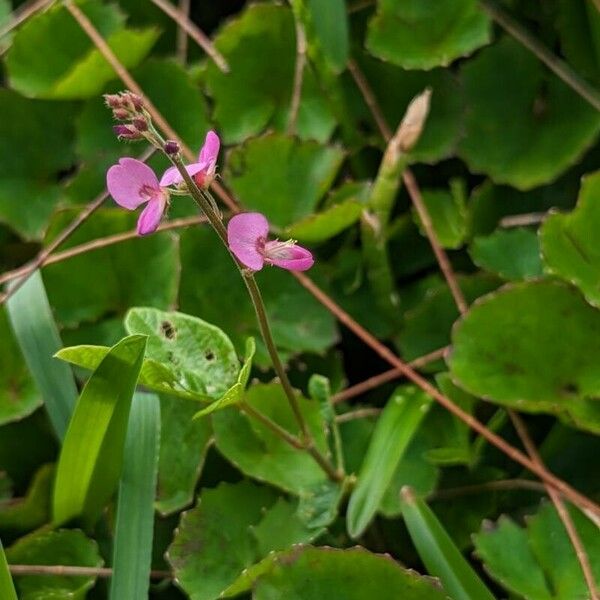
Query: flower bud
[(120, 114), (171, 147), (126, 132), (112, 100), (140, 124)]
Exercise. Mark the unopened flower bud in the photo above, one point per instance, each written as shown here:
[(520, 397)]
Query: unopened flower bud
[(137, 101), (126, 132), (120, 114), (140, 124), (112, 100), (413, 122), (171, 147)]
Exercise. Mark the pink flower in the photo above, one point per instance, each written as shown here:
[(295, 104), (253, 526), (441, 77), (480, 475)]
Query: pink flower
[(202, 171), (132, 183), (247, 238)]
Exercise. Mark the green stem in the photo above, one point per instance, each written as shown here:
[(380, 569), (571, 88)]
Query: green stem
[(214, 219)]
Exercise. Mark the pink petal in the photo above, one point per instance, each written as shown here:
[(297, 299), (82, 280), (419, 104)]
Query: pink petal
[(126, 180), (172, 176), (210, 151), (246, 234), (291, 257), (151, 215)]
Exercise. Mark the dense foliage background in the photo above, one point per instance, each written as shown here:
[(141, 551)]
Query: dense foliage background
[(493, 213)]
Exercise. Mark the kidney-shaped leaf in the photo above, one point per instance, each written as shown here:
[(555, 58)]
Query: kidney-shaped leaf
[(421, 35), (531, 346)]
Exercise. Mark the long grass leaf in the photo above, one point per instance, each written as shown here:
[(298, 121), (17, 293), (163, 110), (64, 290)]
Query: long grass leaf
[(90, 462), (132, 554), (7, 588), (37, 335)]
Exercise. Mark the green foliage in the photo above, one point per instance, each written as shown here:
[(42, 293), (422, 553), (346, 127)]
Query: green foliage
[(6, 584), (538, 562)]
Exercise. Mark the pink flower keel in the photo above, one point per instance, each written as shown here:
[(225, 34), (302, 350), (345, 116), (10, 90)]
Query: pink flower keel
[(247, 239)]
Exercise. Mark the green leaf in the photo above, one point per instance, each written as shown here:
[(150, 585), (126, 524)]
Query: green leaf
[(155, 376), (221, 520), (199, 353), (568, 241), (61, 547), (448, 212), (7, 588), (525, 126), (36, 332), (531, 346), (235, 393), (90, 461), (329, 24), (18, 394), (437, 550), (257, 92), (138, 272), (70, 67), (260, 453), (324, 225), (183, 448), (282, 177), (299, 322), (34, 509), (537, 562), (307, 573), (395, 429), (132, 552), (509, 253), (421, 35)]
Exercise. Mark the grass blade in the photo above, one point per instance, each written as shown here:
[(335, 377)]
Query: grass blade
[(439, 553), (90, 461), (36, 332), (132, 554), (395, 428), (7, 588)]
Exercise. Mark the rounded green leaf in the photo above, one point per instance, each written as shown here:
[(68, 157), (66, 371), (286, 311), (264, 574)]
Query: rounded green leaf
[(509, 253), (307, 573), (569, 242), (417, 34), (531, 346), (61, 547), (282, 177), (524, 126), (260, 48), (70, 67)]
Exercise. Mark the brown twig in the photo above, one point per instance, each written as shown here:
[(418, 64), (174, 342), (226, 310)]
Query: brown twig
[(182, 36), (361, 413), (298, 75), (42, 257), (360, 5), (71, 571), (494, 439), (561, 509), (23, 13), (559, 67), (99, 243), (523, 220), (377, 380), (132, 85), (183, 21), (489, 486)]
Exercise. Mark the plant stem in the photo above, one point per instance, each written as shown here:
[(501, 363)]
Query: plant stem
[(206, 202)]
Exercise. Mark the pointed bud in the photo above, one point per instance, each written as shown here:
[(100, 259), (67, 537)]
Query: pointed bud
[(126, 132), (120, 114), (171, 147), (140, 124), (413, 122), (137, 101), (112, 100)]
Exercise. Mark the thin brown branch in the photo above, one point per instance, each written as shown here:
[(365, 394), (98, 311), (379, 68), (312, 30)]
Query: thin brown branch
[(442, 258), (132, 85), (298, 75), (377, 380), (489, 486), (23, 13), (370, 100), (561, 509), (523, 220), (182, 36), (194, 32), (361, 4), (42, 257), (559, 67), (99, 243), (382, 350), (71, 571)]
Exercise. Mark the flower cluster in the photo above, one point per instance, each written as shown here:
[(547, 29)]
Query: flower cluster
[(132, 183), (127, 106)]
